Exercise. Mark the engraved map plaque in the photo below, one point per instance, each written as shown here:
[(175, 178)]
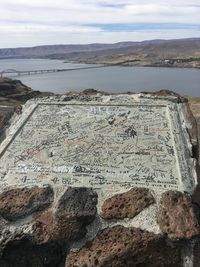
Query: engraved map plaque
[(100, 142)]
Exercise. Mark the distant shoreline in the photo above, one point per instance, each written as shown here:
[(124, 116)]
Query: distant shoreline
[(182, 53), (121, 64)]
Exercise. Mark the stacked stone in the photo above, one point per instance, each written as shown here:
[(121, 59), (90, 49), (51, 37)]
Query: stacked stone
[(66, 219)]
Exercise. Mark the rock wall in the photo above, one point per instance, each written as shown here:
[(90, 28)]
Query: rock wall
[(37, 229)]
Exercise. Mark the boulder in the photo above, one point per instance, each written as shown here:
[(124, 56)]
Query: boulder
[(75, 210), (131, 247), (127, 205), (21, 202), (176, 217)]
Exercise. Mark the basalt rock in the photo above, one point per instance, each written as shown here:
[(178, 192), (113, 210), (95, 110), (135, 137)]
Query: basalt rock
[(10, 87), (176, 217), (24, 253), (127, 205), (21, 202), (76, 209), (16, 90), (4, 118), (8, 237), (164, 93), (78, 202), (196, 253), (14, 93), (131, 247), (48, 227)]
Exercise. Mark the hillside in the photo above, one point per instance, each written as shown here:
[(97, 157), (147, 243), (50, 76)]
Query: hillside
[(49, 50), (170, 53)]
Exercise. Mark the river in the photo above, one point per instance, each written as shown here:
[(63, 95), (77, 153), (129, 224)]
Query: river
[(111, 78)]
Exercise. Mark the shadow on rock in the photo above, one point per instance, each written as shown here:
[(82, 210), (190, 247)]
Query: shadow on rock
[(24, 253)]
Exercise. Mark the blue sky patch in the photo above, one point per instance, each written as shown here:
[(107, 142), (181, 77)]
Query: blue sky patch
[(120, 27)]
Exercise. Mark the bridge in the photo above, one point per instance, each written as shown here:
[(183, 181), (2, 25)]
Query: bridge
[(9, 72)]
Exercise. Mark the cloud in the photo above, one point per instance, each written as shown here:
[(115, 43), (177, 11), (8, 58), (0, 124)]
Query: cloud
[(38, 28), (63, 19)]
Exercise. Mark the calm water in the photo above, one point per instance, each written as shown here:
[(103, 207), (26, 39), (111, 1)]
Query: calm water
[(113, 79)]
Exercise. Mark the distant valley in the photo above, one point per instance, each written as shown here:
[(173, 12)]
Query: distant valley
[(167, 53)]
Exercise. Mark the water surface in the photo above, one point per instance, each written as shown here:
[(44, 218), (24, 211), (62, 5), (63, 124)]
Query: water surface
[(112, 79)]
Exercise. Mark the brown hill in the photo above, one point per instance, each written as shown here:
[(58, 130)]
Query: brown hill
[(177, 53)]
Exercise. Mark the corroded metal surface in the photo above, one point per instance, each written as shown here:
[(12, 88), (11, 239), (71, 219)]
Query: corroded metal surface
[(100, 141)]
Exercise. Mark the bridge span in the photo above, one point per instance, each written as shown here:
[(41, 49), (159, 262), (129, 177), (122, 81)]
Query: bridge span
[(9, 72)]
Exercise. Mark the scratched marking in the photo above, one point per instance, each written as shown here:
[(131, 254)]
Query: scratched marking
[(100, 146)]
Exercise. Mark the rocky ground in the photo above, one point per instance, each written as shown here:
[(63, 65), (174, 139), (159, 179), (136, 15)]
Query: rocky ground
[(194, 103), (13, 94)]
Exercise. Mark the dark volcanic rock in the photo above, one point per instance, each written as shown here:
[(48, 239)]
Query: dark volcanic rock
[(177, 217), (10, 87), (127, 205), (76, 209), (78, 202), (25, 254), (8, 237), (48, 227), (90, 91), (18, 203), (196, 253), (162, 93), (125, 247), (13, 93), (4, 118), (44, 227), (16, 90)]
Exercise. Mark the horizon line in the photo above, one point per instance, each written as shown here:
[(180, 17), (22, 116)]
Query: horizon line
[(101, 43)]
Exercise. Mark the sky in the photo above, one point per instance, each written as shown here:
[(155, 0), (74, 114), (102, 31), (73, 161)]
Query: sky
[(37, 22)]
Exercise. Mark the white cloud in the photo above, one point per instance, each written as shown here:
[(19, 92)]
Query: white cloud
[(37, 28), (87, 11), (51, 18), (162, 9)]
